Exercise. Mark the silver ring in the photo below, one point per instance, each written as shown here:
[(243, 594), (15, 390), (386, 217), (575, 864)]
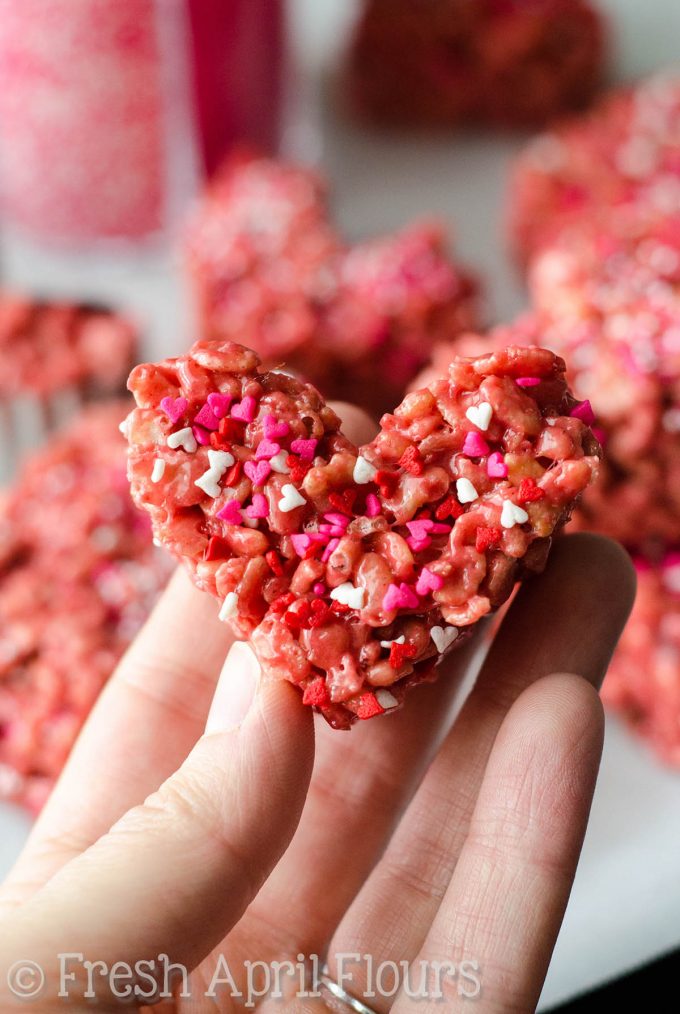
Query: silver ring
[(339, 994)]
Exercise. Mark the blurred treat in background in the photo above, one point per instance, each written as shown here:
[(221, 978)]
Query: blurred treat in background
[(110, 111), (623, 157), (643, 682), (55, 356), (78, 576), (443, 63), (268, 267)]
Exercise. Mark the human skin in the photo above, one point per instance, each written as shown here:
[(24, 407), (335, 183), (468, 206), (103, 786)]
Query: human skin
[(200, 821)]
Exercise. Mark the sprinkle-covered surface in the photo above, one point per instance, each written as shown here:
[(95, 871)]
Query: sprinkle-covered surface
[(74, 345), (623, 156), (610, 304), (643, 682), (512, 63), (267, 262), (78, 576), (353, 570)]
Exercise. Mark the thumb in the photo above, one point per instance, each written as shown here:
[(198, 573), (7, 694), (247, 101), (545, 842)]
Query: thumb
[(176, 873)]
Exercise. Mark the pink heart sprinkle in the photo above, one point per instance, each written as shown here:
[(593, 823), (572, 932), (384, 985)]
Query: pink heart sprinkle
[(207, 418), (174, 408), (401, 597), (305, 448), (259, 507), (200, 435), (266, 449), (329, 550), (496, 467), (245, 409), (475, 445), (257, 471), (301, 543), (231, 513), (420, 527), (337, 519), (416, 543), (600, 436), (273, 428), (584, 412), (219, 403), (528, 381), (427, 582), (372, 506)]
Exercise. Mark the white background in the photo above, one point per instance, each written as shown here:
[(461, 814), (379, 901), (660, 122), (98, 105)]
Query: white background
[(625, 907)]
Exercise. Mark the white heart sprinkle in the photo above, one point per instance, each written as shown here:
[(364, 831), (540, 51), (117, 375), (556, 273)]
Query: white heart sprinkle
[(183, 438), (229, 606), (349, 595), (209, 482), (364, 471), (480, 415), (386, 700), (512, 515), (278, 463), (443, 637), (397, 640), (158, 470), (465, 491), (220, 460), (291, 498)]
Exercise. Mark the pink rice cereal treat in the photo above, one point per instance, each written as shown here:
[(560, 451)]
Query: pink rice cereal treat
[(267, 264), (74, 344), (611, 306), (623, 156), (78, 576), (354, 570), (643, 682), (512, 63)]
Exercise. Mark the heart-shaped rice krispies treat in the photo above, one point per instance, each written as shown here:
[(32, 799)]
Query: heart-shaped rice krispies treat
[(353, 570)]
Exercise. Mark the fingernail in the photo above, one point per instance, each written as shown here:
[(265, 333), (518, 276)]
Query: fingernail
[(235, 691)]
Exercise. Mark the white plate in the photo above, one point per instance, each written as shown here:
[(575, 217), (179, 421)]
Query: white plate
[(624, 906)]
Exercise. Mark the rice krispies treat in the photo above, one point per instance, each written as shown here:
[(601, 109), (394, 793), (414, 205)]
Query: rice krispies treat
[(78, 576), (610, 304), (510, 63), (268, 267), (74, 345), (353, 570), (643, 682), (623, 156)]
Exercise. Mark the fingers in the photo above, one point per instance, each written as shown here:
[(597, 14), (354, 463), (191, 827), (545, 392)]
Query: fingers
[(568, 619), (503, 908), (175, 873), (144, 724)]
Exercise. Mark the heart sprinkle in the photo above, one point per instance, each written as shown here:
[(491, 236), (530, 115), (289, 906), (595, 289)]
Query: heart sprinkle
[(428, 582), (266, 449), (291, 498), (231, 513), (364, 471), (475, 446), (480, 415), (219, 404), (183, 438), (348, 595), (278, 463), (584, 412), (305, 448), (496, 467), (273, 429), (397, 640), (207, 418), (465, 491), (399, 597), (229, 606), (528, 381), (174, 408), (245, 409), (158, 470), (258, 472), (443, 637), (512, 515), (372, 506), (259, 507), (385, 699)]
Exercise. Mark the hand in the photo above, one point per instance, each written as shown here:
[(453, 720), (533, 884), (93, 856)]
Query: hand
[(409, 839)]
